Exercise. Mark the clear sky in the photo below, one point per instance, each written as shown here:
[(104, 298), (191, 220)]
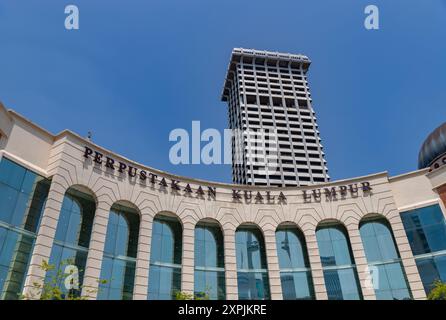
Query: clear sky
[(136, 69)]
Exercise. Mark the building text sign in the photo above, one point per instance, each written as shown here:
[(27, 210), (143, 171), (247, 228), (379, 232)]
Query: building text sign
[(330, 193)]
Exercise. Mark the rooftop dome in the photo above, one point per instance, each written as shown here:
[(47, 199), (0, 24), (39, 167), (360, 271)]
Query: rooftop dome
[(433, 147)]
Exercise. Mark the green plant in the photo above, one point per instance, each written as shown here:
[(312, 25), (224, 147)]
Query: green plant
[(51, 287), (180, 295), (438, 292), (202, 296)]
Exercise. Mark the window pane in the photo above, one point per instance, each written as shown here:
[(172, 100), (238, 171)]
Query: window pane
[(22, 199), (291, 249), (340, 274), (164, 282), (387, 247), (381, 254), (297, 285), (426, 229), (119, 263), (209, 252), (76, 219), (294, 265), (11, 174), (72, 236), (8, 202), (431, 269), (61, 257), (334, 247), (22, 196), (252, 275), (210, 284), (440, 262), (165, 259), (120, 277), (250, 249), (342, 284), (15, 255), (253, 286)]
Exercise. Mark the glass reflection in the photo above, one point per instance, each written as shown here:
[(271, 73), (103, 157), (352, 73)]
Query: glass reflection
[(119, 261), (384, 262), (341, 279), (165, 258), (22, 200), (209, 261), (295, 273), (72, 237), (252, 271), (426, 231)]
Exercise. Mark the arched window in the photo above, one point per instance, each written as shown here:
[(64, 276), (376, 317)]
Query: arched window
[(165, 258), (72, 236), (295, 273), (389, 278), (119, 261), (252, 270), (341, 279), (22, 200), (209, 261)]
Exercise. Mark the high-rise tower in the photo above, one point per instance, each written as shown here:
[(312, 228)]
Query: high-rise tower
[(276, 140)]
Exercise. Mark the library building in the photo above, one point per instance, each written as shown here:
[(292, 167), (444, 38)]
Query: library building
[(125, 230)]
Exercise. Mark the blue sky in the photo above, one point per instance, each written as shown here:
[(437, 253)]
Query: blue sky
[(138, 69)]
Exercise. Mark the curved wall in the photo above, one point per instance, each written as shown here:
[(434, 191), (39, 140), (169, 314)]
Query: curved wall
[(73, 161)]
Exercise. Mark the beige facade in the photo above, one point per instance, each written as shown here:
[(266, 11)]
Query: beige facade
[(61, 158)]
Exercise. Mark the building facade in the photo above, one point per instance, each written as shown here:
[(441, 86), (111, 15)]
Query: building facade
[(276, 140), (150, 234)]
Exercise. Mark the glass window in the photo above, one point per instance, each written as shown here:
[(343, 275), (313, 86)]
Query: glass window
[(341, 279), (431, 268), (426, 231), (119, 261), (295, 273), (342, 284), (22, 196), (61, 257), (297, 285), (389, 278), (209, 261), (76, 219), (252, 270), (165, 258), (72, 237), (16, 249), (22, 200)]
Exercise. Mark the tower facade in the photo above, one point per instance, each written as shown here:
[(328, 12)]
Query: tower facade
[(276, 139)]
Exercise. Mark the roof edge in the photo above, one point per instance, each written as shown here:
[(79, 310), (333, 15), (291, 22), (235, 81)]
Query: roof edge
[(263, 54)]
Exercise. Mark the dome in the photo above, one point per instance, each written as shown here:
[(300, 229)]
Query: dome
[(433, 147)]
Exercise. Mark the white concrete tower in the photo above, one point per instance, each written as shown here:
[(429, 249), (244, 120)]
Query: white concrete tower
[(276, 140)]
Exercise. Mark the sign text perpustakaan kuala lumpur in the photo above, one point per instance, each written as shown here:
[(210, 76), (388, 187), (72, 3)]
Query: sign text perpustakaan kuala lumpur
[(238, 195)]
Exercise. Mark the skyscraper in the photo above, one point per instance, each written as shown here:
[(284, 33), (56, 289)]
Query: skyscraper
[(276, 139)]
